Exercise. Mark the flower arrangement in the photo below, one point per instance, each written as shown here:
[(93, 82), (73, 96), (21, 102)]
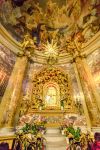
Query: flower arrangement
[(75, 137), (71, 132), (75, 133), (31, 134), (34, 127)]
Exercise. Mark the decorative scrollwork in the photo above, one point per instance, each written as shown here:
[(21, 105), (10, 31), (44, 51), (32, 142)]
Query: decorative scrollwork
[(53, 75)]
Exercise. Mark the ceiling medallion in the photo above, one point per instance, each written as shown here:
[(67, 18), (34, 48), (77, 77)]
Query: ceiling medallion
[(51, 52)]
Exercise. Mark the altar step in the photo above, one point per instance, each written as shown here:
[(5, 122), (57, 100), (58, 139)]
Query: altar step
[(55, 140)]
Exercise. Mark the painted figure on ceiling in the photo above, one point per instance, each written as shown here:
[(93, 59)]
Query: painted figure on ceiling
[(51, 22)]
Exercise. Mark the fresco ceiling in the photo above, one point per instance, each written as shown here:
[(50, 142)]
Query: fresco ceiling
[(46, 20)]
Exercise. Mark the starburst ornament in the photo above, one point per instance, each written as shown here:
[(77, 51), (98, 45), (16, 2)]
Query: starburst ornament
[(51, 49)]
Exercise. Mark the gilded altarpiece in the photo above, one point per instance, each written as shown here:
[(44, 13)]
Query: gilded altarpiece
[(51, 86), (51, 90)]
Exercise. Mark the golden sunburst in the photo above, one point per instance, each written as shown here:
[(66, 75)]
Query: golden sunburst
[(51, 49)]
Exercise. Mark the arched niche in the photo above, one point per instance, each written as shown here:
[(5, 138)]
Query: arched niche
[(59, 81), (51, 95)]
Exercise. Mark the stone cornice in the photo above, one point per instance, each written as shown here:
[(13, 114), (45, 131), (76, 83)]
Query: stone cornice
[(92, 45), (8, 41)]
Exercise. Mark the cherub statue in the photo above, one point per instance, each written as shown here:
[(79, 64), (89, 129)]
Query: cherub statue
[(28, 42), (28, 46)]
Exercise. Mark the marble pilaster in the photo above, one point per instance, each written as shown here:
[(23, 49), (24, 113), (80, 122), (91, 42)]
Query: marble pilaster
[(27, 98), (89, 90), (91, 83), (11, 98), (83, 100)]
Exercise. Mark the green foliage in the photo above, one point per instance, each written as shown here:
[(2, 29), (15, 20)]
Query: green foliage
[(29, 133), (75, 132), (26, 128), (34, 129), (30, 129), (71, 130)]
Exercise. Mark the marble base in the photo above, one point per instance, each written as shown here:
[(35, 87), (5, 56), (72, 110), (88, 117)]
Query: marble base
[(7, 131), (95, 129)]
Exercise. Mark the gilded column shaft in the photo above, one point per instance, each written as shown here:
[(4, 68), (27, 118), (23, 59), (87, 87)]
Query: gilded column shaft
[(11, 98), (82, 98)]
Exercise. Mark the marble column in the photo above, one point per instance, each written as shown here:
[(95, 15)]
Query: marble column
[(27, 99), (86, 75), (30, 81), (11, 98), (91, 82), (89, 89), (88, 121)]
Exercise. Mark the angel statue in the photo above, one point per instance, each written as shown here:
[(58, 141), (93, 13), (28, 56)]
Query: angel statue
[(28, 45), (27, 42)]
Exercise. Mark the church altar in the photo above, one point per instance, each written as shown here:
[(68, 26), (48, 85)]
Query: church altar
[(54, 117)]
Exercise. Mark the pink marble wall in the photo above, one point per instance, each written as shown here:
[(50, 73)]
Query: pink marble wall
[(93, 61), (7, 61)]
